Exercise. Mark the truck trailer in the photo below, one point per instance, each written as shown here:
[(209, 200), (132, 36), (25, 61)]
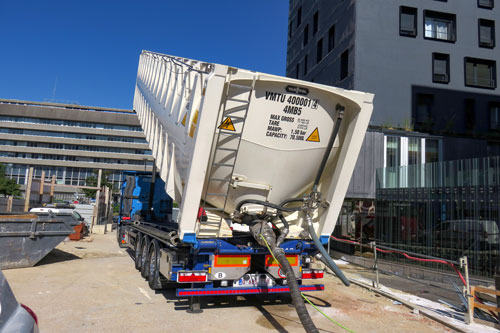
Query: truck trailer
[(258, 165)]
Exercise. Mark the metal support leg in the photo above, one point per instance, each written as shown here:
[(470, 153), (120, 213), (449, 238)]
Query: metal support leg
[(194, 305), (469, 317), (376, 264)]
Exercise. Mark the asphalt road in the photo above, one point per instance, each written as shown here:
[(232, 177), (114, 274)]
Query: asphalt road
[(92, 286)]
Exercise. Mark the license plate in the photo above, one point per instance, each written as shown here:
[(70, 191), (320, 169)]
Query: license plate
[(254, 280)]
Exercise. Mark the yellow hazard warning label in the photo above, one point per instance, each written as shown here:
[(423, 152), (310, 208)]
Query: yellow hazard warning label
[(183, 122), (227, 124), (314, 137)]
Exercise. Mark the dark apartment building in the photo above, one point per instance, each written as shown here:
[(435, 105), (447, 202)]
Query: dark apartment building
[(433, 67), (431, 64)]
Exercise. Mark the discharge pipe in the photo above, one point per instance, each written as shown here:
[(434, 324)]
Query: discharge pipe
[(260, 230), (326, 256)]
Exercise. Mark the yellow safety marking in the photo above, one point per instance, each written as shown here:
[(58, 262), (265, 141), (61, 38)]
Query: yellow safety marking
[(183, 122), (314, 137), (227, 125), (193, 124), (232, 261), (292, 259)]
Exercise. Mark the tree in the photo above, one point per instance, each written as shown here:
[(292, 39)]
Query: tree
[(8, 186), (92, 181)]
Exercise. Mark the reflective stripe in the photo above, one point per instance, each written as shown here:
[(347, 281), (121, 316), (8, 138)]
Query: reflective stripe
[(241, 291), (232, 261)]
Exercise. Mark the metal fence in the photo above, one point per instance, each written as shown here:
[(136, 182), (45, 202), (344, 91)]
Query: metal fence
[(445, 209)]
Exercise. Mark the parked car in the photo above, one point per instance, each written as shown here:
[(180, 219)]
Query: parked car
[(14, 317), (467, 234), (72, 216)]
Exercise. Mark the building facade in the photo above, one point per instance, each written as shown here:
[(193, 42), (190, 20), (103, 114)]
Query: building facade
[(433, 67), (70, 141), (431, 64)]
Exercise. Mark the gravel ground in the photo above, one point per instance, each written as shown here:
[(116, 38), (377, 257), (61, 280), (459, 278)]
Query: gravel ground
[(92, 286)]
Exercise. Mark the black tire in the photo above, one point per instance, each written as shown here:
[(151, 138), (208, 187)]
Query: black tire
[(137, 257), (154, 265), (144, 256)]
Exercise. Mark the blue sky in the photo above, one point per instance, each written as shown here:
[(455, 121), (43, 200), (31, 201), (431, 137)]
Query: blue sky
[(89, 50)]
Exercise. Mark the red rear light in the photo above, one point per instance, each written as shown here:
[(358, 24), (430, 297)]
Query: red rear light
[(190, 277), (31, 312), (125, 218), (312, 274)]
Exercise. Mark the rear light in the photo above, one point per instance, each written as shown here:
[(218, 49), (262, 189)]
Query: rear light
[(125, 218), (31, 312), (312, 274), (190, 277)]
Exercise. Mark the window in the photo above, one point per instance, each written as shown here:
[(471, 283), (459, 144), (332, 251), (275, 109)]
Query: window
[(305, 65), (331, 38), (344, 64), (290, 29), (431, 150), (407, 21), (414, 151), (485, 4), (299, 16), (315, 23), (495, 116), (440, 68), (319, 50), (392, 152), (480, 73), (306, 35), (424, 108), (469, 114), (486, 33), (297, 68), (439, 26)]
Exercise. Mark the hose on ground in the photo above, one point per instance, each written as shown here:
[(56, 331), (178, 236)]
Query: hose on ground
[(325, 257), (265, 236)]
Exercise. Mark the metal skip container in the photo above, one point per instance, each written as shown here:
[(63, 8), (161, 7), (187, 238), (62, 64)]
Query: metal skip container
[(221, 135), (27, 238)]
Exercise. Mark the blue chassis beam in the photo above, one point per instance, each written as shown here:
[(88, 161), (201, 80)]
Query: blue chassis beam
[(244, 291)]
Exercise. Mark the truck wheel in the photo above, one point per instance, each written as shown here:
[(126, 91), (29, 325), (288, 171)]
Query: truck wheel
[(144, 257), (154, 265), (138, 243)]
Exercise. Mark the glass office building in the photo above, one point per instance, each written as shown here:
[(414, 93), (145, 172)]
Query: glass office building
[(70, 142)]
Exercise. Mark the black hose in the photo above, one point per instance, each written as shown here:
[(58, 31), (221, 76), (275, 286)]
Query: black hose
[(286, 202), (325, 256), (267, 204), (336, 128), (283, 231), (259, 228)]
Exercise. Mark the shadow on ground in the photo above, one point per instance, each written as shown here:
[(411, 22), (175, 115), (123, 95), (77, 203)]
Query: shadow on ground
[(56, 256), (260, 302)]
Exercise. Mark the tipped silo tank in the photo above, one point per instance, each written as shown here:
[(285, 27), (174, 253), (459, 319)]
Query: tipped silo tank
[(222, 135)]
